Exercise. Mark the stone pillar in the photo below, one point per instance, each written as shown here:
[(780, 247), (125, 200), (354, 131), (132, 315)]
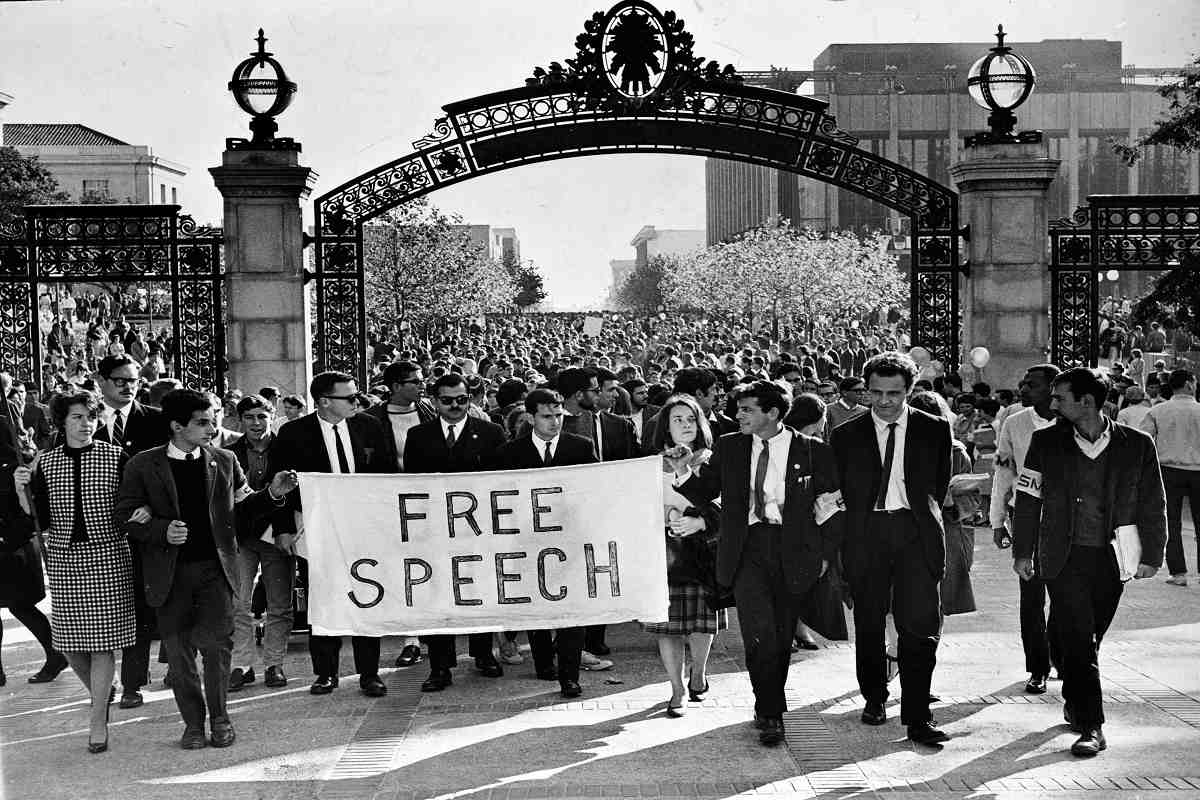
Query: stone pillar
[(267, 317), (1006, 303)]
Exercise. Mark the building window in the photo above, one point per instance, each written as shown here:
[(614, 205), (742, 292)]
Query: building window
[(162, 193), (94, 191), (175, 195)]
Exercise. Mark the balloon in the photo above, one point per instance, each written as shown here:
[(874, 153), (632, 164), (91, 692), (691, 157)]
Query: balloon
[(980, 357)]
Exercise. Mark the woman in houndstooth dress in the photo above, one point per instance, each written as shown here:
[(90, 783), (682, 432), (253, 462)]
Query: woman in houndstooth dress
[(91, 575)]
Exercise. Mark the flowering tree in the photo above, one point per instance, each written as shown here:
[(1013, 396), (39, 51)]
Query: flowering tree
[(777, 271), (421, 269)]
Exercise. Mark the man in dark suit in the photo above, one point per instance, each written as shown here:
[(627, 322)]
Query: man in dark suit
[(454, 442), (546, 445), (333, 438), (1085, 479), (894, 470), (780, 530), (189, 553), (134, 428), (643, 411), (34, 416)]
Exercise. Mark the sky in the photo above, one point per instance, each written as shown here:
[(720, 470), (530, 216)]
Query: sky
[(373, 77)]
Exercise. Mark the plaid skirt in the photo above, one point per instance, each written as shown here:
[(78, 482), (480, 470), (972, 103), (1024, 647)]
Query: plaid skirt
[(688, 613)]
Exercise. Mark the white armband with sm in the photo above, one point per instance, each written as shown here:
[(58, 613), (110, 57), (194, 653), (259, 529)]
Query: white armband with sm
[(1029, 481)]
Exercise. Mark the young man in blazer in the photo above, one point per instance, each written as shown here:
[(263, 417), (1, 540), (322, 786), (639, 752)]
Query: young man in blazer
[(546, 445), (189, 553), (1084, 478), (894, 470), (454, 442), (133, 427), (333, 438), (781, 527)]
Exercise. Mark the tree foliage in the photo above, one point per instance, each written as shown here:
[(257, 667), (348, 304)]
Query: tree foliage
[(528, 286), (421, 269), (1180, 126), (23, 182), (642, 289), (1175, 298), (776, 271)]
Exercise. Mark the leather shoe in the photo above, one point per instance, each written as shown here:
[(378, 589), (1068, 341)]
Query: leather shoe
[(324, 684), (133, 700), (547, 674), (275, 677), (759, 722), (372, 687), (411, 654), (240, 677), (193, 739), (1036, 684), (1090, 743), (222, 734), (925, 733), (489, 667), (599, 649), (50, 670), (771, 732), (805, 643), (437, 681), (571, 689), (874, 714)]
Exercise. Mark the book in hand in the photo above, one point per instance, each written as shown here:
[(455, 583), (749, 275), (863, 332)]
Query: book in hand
[(1128, 547)]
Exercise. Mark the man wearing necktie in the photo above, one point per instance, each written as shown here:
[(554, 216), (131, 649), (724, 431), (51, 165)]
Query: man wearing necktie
[(333, 438), (781, 527), (454, 442), (894, 469)]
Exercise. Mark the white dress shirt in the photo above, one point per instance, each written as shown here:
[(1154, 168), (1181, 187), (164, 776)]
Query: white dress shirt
[(897, 493), (540, 445), (109, 415), (773, 484), (327, 434), (458, 427)]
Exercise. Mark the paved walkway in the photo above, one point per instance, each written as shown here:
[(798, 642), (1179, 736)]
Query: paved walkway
[(513, 738)]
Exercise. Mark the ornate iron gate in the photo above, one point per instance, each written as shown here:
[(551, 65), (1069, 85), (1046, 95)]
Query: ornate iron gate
[(1112, 232), (634, 86), (117, 244)]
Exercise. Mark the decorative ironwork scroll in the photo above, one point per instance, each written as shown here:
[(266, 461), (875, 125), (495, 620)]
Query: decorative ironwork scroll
[(635, 85), (115, 243), (1112, 232)]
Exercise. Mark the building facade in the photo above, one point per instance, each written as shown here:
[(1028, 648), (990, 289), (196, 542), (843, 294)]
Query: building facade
[(648, 243), (500, 244)]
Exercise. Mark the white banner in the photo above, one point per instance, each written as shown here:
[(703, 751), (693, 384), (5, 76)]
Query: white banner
[(484, 551)]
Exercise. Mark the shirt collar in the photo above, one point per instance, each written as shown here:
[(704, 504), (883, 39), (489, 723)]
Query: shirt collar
[(263, 445), (1094, 449), (901, 421), (327, 425), (458, 426), (123, 409), (175, 453), (541, 443)]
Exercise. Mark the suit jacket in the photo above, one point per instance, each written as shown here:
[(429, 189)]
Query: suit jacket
[(810, 473), (37, 416), (475, 447), (300, 446), (1044, 516), (148, 481), (618, 438), (425, 412), (926, 480), (146, 427), (524, 453)]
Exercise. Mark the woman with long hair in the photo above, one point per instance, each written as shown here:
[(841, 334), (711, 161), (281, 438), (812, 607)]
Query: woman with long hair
[(691, 534)]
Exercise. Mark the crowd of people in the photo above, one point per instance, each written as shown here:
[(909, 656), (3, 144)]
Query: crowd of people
[(811, 465)]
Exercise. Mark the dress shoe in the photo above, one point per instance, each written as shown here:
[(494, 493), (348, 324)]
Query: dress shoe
[(599, 649), (132, 699), (1174, 580), (489, 667), (925, 733), (675, 709), (1036, 684), (240, 677), (437, 681), (50, 670), (411, 654), (98, 747), (570, 689), (372, 687), (874, 714), (222, 734), (1090, 743), (193, 739), (275, 677), (805, 643), (592, 663), (547, 674), (697, 695), (771, 733), (509, 653), (324, 684)]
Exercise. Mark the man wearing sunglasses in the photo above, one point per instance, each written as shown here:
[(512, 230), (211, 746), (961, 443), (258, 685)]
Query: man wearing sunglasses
[(334, 438), (454, 442)]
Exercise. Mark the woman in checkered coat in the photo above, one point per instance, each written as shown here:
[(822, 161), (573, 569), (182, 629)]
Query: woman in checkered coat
[(91, 575)]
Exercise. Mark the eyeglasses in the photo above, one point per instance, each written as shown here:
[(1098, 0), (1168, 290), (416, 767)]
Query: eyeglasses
[(124, 381), (347, 397), (460, 400)]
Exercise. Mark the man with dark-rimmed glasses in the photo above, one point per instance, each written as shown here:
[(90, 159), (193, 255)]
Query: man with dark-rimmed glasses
[(333, 438)]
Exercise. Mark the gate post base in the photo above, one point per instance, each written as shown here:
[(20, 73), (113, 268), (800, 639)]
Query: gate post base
[(267, 331), (1003, 190)]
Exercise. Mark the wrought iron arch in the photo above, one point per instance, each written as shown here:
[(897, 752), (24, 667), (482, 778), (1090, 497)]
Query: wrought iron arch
[(652, 97)]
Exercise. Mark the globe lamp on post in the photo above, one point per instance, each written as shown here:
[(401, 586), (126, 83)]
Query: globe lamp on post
[(1000, 82), (262, 89)]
